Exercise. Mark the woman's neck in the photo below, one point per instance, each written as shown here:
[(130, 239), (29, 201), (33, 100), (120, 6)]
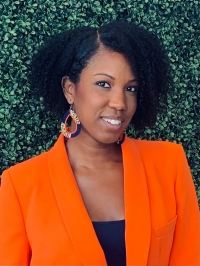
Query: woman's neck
[(87, 152)]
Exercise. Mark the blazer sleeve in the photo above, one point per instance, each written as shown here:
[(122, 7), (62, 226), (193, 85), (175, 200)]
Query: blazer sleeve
[(14, 246), (186, 244)]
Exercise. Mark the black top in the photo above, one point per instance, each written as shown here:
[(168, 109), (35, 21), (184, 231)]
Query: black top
[(112, 240)]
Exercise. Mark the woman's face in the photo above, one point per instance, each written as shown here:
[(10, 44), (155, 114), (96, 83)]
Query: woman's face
[(105, 98)]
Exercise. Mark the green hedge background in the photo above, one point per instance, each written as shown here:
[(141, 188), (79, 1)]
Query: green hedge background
[(27, 130)]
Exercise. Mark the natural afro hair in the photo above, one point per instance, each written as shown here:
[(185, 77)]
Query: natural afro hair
[(68, 53)]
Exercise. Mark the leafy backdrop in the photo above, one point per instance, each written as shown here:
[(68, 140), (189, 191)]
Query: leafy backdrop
[(26, 129)]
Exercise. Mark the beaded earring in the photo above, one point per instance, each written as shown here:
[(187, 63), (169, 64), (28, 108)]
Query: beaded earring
[(64, 127)]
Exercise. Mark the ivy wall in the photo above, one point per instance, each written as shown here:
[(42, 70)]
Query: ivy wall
[(26, 129)]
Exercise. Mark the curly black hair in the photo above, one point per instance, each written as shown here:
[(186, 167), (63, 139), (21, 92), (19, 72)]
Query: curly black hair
[(68, 53)]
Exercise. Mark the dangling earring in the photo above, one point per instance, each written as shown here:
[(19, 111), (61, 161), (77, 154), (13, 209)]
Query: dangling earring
[(121, 138), (64, 128)]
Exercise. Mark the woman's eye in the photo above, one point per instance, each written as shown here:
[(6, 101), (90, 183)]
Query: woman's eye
[(131, 89), (103, 84)]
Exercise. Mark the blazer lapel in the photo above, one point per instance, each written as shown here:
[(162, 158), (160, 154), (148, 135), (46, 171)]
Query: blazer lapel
[(137, 211), (76, 219), (72, 209)]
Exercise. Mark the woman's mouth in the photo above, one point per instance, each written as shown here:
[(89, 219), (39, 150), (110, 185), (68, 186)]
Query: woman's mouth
[(112, 124), (112, 121)]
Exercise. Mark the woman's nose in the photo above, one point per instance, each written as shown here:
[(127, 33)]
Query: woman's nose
[(117, 101)]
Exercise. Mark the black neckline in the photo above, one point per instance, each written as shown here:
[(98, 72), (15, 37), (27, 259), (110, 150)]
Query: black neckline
[(108, 222)]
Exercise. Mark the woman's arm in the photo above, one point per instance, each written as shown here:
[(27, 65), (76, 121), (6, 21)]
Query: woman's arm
[(14, 246), (186, 244)]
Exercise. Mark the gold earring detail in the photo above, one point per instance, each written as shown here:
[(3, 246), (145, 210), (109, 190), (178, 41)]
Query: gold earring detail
[(64, 127)]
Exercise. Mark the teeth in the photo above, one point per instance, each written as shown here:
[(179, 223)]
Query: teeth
[(112, 121)]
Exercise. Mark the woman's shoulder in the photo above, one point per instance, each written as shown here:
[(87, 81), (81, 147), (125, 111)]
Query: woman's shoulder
[(30, 165), (158, 151), (25, 174), (163, 161), (36, 169), (156, 145), (38, 163)]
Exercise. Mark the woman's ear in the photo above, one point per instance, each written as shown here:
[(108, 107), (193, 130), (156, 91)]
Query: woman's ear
[(68, 89)]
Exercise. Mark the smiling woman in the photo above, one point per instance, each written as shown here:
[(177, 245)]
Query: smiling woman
[(98, 197), (110, 95), (68, 53)]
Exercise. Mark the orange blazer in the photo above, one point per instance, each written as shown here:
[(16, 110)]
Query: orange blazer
[(43, 220)]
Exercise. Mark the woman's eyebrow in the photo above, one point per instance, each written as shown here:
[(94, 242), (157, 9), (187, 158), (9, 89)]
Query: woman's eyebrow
[(104, 74), (107, 75)]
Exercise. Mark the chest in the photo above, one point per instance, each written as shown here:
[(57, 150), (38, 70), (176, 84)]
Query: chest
[(102, 191)]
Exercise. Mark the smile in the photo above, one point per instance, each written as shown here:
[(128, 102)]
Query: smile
[(112, 121)]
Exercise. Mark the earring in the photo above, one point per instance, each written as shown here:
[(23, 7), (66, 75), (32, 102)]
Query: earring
[(64, 127), (121, 138)]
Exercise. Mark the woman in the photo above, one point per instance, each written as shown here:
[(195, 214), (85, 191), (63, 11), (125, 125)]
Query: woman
[(98, 197)]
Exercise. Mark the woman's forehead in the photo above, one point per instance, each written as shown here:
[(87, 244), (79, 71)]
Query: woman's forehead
[(108, 60)]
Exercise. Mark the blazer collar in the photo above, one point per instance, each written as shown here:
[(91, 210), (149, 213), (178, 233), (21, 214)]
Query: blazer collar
[(137, 209), (76, 219)]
